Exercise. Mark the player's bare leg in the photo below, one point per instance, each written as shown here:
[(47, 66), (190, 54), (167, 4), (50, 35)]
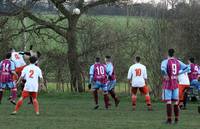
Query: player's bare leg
[(95, 94)]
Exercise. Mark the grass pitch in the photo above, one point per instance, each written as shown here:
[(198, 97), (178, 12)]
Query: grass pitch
[(75, 111)]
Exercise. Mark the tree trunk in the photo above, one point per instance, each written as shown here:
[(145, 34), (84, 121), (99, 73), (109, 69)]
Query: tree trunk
[(74, 65)]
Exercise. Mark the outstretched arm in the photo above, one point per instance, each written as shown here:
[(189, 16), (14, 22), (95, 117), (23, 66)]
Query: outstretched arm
[(184, 68), (164, 68), (19, 81)]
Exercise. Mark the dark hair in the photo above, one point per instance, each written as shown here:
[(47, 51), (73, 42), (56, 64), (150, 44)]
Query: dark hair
[(11, 49), (33, 59), (171, 52), (137, 58), (191, 59), (108, 57), (97, 59), (8, 55)]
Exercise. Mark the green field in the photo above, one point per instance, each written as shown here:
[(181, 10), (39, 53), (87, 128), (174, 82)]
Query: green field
[(74, 111)]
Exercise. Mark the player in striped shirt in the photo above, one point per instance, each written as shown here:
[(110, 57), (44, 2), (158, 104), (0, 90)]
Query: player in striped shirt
[(194, 73), (98, 80), (110, 71), (170, 68), (7, 70)]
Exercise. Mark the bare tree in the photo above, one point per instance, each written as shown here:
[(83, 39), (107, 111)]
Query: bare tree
[(67, 29), (172, 3)]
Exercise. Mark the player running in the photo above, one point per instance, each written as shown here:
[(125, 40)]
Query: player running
[(31, 74), (111, 79), (137, 77), (98, 79), (170, 68), (7, 69)]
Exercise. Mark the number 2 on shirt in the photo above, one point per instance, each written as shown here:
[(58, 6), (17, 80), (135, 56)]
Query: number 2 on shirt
[(31, 72), (138, 72)]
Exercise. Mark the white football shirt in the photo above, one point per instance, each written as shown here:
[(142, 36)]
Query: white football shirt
[(138, 74), (183, 79), (31, 74), (18, 59)]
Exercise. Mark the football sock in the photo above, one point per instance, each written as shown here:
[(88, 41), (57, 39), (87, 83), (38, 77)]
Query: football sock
[(185, 99), (36, 105), (148, 100), (95, 94), (134, 98), (109, 104), (112, 93), (169, 112), (1, 95), (19, 104), (14, 94), (176, 112), (106, 100)]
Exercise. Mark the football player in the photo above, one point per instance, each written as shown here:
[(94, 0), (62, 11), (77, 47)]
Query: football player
[(137, 78)]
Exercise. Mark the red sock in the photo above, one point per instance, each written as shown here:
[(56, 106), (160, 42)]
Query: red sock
[(109, 104), (95, 94), (169, 112), (14, 94), (1, 95), (148, 100), (176, 112), (36, 105), (134, 98), (106, 100), (19, 103)]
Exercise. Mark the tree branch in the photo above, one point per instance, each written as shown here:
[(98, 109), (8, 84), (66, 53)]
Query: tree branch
[(61, 8), (47, 24), (96, 3)]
